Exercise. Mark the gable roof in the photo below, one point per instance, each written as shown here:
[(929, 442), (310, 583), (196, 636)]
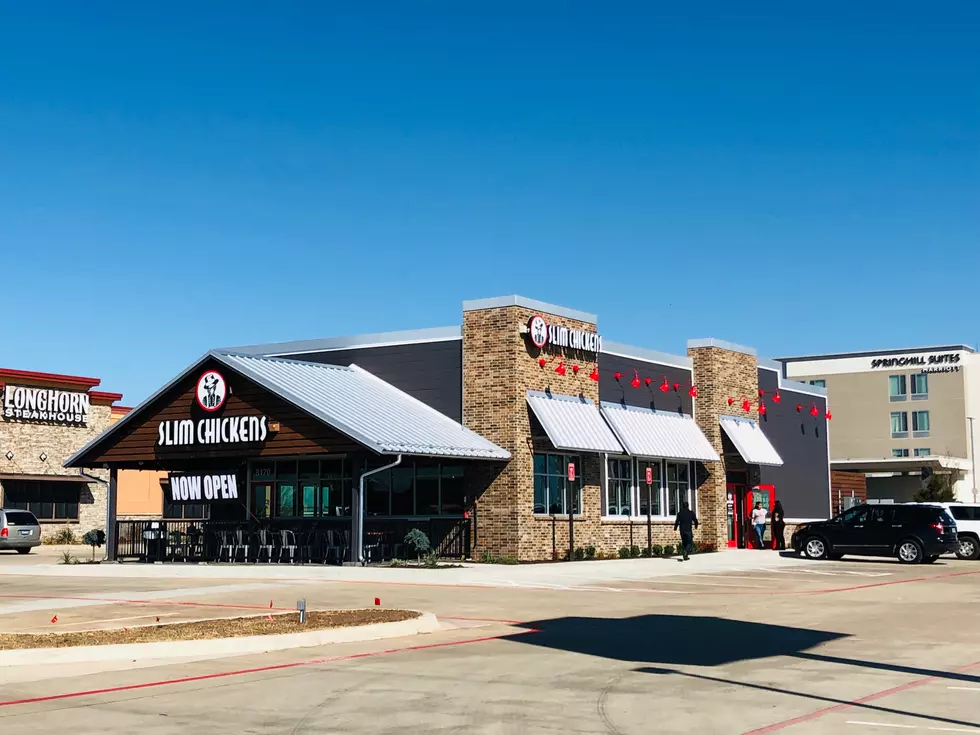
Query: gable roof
[(349, 399)]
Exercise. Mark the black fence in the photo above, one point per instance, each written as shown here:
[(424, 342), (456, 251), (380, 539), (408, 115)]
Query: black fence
[(318, 541)]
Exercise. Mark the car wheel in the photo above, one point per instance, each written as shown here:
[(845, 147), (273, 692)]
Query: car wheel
[(909, 552), (968, 548), (25, 550), (815, 548)]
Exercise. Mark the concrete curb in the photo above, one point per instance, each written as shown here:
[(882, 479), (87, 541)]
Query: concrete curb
[(219, 647)]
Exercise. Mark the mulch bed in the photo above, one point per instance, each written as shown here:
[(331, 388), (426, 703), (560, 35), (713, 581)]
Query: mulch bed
[(207, 629)]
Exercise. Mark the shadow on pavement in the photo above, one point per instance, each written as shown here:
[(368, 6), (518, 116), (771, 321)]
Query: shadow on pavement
[(673, 639)]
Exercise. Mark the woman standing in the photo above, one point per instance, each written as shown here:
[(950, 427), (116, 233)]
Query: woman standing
[(778, 526)]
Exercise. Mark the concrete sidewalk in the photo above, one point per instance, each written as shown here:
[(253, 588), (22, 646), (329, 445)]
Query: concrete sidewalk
[(554, 575)]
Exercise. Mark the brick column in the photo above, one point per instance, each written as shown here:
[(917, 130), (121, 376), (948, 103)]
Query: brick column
[(499, 366), (721, 370)]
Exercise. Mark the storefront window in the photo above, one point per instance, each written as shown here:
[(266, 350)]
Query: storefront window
[(262, 500), (427, 490), (678, 485), (649, 496), (402, 491), (335, 487), (619, 489), (453, 490), (286, 500), (552, 490), (185, 511), (49, 501), (378, 492)]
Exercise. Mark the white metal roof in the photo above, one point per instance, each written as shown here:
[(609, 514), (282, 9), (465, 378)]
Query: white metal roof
[(750, 442), (365, 408), (647, 433), (573, 423)]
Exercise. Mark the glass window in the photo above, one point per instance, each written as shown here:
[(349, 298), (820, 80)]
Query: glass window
[(922, 451), (900, 452), (263, 470), (262, 500), (308, 491), (552, 490), (678, 485), (897, 390), (900, 424), (453, 490), (403, 491), (619, 487), (185, 511), (335, 487), (965, 513), (49, 501), (427, 491), (378, 494), (883, 514), (855, 516), (286, 500), (819, 382), (286, 470), (920, 423), (649, 496), (920, 386)]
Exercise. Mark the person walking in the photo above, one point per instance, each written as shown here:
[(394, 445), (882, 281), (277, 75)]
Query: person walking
[(759, 523), (778, 526), (686, 522)]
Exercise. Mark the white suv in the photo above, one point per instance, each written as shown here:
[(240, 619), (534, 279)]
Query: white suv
[(967, 517)]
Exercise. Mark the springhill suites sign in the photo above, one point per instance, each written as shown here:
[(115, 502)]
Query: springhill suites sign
[(946, 362)]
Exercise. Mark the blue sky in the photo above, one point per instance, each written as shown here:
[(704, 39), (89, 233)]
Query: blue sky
[(797, 177)]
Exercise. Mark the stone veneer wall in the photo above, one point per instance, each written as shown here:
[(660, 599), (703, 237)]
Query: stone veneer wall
[(720, 374), (28, 440)]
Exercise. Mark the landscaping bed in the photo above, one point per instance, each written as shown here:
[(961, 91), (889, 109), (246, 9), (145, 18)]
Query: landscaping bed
[(207, 629)]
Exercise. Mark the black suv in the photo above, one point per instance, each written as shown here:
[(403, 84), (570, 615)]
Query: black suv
[(912, 533)]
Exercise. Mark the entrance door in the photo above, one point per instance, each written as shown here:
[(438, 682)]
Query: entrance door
[(733, 504), (765, 494), (854, 533)]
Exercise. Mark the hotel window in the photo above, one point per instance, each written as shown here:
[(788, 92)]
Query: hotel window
[(900, 425), (678, 485), (920, 423), (819, 382), (920, 386), (897, 390), (552, 490), (649, 496), (922, 451), (900, 452), (619, 487), (49, 501)]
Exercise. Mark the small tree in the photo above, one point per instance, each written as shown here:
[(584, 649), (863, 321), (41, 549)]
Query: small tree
[(94, 538), (418, 541), (939, 489)]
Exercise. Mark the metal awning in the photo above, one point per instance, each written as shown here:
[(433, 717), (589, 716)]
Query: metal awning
[(44, 478), (902, 465), (750, 442), (573, 423), (647, 433)]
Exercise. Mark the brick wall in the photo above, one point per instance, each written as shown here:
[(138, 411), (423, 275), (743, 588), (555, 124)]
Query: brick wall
[(27, 441), (719, 374)]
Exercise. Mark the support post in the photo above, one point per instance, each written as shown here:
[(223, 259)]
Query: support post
[(112, 535)]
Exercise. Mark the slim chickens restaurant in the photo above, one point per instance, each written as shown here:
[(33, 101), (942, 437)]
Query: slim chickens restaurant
[(521, 433)]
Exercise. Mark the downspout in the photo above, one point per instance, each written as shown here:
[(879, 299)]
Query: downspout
[(360, 506), (93, 478)]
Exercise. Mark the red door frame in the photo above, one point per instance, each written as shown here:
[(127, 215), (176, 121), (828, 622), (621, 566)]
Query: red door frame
[(770, 490)]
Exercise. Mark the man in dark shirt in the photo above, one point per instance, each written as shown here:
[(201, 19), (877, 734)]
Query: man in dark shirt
[(686, 522)]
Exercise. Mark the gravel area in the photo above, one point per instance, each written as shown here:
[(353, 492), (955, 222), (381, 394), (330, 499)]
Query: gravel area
[(206, 629)]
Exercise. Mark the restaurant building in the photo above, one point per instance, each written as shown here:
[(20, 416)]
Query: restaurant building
[(47, 417), (519, 433), (900, 416)]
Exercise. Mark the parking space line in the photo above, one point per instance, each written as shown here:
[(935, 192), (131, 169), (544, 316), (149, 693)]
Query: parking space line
[(911, 727), (965, 689)]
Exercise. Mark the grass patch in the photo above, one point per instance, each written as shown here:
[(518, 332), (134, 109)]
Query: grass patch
[(207, 629)]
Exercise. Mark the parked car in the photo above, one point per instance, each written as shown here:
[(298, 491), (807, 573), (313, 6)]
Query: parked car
[(912, 533), (967, 517), (19, 530)]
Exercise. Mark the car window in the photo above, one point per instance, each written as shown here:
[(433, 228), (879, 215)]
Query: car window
[(959, 512), (855, 516), (883, 514), (20, 518)]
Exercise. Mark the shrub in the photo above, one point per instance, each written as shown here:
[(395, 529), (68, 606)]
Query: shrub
[(94, 538), (668, 550), (624, 552), (397, 563), (590, 552), (658, 550), (646, 552), (635, 552), (62, 537), (579, 554), (706, 548), (431, 561), (419, 542), (67, 558)]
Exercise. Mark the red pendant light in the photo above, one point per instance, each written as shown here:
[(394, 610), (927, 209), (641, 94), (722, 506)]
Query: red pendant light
[(647, 381), (814, 411), (746, 406), (730, 400), (693, 391), (542, 362), (617, 376), (762, 408), (635, 382), (799, 407), (561, 368), (828, 415), (575, 369), (665, 386), (761, 392), (594, 375), (776, 398)]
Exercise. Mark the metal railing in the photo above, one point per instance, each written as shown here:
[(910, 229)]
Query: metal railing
[(318, 540)]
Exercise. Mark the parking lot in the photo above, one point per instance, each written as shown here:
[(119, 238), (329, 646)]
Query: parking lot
[(738, 642)]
